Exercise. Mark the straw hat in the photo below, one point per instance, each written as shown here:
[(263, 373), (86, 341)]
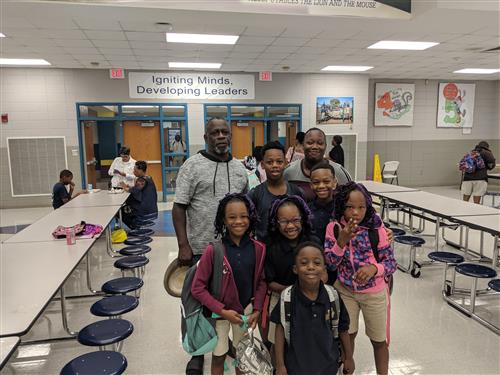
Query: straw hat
[(174, 278)]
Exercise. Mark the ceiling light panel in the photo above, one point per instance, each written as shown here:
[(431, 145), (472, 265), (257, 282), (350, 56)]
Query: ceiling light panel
[(477, 71), (188, 65), (346, 68), (201, 38), (402, 45), (23, 62)]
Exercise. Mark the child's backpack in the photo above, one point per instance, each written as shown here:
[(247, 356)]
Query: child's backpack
[(197, 326), (471, 162), (374, 239), (333, 311)]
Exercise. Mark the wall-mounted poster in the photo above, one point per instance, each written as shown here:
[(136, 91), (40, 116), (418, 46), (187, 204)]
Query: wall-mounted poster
[(455, 105), (394, 104), (334, 110)]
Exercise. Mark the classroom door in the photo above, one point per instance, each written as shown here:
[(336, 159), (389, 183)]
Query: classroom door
[(245, 136), (291, 132), (144, 143), (90, 160)]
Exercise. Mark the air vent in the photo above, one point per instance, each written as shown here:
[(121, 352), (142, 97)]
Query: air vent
[(491, 50)]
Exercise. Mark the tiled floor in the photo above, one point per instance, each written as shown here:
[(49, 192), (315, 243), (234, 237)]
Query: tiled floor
[(427, 335)]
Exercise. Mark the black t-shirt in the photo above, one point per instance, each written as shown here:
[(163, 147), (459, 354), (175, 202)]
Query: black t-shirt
[(337, 154), (262, 198), (279, 260), (143, 201), (322, 215), (313, 350), (59, 193)]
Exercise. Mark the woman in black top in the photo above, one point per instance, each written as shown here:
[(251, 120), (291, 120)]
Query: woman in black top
[(337, 152)]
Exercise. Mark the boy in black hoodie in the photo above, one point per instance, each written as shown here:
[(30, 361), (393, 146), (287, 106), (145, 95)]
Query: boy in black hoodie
[(476, 183)]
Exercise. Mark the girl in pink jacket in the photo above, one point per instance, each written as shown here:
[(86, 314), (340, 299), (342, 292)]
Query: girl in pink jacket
[(362, 275), (243, 288)]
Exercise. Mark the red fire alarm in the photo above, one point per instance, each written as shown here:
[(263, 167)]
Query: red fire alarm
[(5, 118)]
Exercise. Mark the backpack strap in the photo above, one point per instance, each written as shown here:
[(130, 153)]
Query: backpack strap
[(218, 264), (285, 314), (333, 296)]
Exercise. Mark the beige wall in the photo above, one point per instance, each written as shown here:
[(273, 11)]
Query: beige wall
[(42, 102)]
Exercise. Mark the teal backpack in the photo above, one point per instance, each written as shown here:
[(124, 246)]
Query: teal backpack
[(197, 325)]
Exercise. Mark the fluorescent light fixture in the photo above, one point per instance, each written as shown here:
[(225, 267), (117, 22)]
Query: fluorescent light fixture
[(397, 44), (23, 62), (346, 68), (201, 38), (194, 65), (2, 35), (477, 71)]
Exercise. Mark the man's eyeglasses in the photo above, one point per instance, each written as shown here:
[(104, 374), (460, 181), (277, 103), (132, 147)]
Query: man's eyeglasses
[(295, 221)]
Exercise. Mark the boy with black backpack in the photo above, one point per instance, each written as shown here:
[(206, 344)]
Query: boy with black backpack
[(474, 166), (311, 321)]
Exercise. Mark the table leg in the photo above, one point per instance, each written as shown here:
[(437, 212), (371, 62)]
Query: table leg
[(64, 313), (495, 251), (89, 284), (438, 225), (120, 217)]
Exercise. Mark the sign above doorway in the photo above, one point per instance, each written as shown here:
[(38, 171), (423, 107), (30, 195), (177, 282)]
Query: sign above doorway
[(191, 86)]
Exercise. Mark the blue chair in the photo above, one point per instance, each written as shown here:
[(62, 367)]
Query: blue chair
[(122, 285), (135, 250), (106, 332), (114, 306), (494, 285), (449, 259), (134, 263), (414, 242), (144, 224), (141, 232), (102, 362), (398, 232), (141, 240)]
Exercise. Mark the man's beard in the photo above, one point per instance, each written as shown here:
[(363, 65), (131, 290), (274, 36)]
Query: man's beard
[(223, 151)]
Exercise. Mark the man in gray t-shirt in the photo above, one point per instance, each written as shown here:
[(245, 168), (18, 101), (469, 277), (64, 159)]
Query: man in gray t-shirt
[(203, 180), (299, 172)]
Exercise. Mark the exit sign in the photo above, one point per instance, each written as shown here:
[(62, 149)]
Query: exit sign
[(265, 76), (116, 73)]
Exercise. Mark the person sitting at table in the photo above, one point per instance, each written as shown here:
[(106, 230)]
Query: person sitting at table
[(143, 197), (122, 168), (60, 194), (476, 183)]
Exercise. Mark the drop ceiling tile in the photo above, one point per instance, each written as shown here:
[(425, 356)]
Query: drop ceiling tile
[(35, 42), (301, 32), (16, 22), (255, 40), (248, 48), (148, 45), (223, 29), (115, 58), (184, 46), (73, 42), (81, 57), (145, 26), (264, 31), (281, 49), (290, 41), (325, 43), (105, 35), (150, 52), (55, 22), (82, 51), (273, 56), (97, 23), (311, 50), (242, 55), (58, 34), (111, 43), (147, 37), (117, 51)]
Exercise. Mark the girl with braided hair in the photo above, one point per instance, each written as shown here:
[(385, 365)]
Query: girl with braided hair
[(357, 245), (289, 224), (243, 288)]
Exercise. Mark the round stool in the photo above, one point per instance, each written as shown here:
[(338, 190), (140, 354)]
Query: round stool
[(413, 267), (122, 285), (449, 259), (495, 285), (398, 232), (141, 232), (106, 332), (102, 362), (141, 224), (141, 240), (114, 305), (133, 263), (476, 271), (135, 250)]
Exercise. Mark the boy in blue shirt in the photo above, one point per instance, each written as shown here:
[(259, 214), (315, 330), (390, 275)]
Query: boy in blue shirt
[(313, 323), (60, 195)]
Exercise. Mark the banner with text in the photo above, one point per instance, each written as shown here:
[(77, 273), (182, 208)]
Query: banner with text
[(191, 86)]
